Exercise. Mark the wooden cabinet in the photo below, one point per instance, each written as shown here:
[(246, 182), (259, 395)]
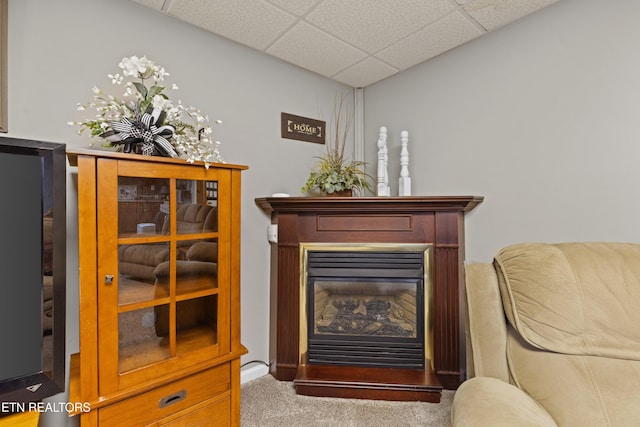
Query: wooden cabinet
[(159, 291)]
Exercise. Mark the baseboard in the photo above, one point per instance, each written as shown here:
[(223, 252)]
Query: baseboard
[(253, 372)]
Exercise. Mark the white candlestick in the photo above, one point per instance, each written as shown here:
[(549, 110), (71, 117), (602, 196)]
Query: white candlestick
[(383, 159), (404, 188)]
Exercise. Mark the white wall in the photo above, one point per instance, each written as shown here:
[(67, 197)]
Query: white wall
[(539, 117), (58, 50)]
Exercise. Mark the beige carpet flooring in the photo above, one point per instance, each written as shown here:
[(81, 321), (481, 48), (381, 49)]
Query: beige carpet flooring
[(267, 402)]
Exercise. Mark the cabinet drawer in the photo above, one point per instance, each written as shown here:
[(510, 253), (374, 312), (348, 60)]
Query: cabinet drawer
[(166, 400), (215, 414)]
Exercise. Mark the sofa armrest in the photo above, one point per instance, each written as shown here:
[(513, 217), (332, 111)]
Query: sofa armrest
[(490, 402)]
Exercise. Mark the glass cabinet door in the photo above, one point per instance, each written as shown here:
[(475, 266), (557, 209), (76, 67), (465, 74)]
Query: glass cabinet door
[(163, 283)]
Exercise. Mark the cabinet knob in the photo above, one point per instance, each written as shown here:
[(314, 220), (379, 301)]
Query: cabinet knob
[(108, 279)]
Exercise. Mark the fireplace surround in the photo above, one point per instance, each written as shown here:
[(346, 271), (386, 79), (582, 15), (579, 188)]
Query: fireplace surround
[(436, 221)]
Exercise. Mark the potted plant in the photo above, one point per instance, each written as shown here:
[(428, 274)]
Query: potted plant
[(334, 174)]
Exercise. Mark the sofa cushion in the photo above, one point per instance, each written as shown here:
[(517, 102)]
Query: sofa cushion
[(486, 326), (151, 254), (574, 298), (577, 390), (140, 261), (490, 402), (193, 218)]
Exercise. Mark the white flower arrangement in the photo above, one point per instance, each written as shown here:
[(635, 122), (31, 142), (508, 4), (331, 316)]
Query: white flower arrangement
[(145, 120)]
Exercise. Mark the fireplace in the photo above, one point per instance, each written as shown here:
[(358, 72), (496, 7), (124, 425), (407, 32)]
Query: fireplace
[(365, 305), (355, 225)]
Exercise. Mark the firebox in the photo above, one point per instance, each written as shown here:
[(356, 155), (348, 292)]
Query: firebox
[(366, 305)]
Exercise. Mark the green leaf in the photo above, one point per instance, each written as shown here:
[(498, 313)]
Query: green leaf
[(144, 105), (154, 90), (141, 88)]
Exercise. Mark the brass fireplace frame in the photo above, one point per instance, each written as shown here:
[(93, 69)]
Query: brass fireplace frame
[(426, 248)]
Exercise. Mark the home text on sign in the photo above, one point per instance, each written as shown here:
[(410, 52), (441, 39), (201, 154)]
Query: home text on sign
[(302, 128)]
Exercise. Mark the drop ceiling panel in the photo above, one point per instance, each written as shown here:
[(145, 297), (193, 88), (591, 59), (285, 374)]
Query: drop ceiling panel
[(297, 7), (254, 23), (356, 42), (380, 23), (364, 72), (313, 49), (492, 14), (445, 34), (154, 4)]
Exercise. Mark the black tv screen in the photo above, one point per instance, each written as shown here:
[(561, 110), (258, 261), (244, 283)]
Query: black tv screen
[(32, 272)]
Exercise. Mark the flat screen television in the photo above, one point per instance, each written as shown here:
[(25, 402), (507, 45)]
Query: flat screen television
[(32, 272)]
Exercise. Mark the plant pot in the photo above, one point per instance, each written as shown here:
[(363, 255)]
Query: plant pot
[(343, 193)]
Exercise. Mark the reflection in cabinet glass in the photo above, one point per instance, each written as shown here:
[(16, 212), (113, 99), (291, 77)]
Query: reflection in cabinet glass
[(160, 289)]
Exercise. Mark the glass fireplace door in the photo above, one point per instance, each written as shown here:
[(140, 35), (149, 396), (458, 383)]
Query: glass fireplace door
[(360, 309)]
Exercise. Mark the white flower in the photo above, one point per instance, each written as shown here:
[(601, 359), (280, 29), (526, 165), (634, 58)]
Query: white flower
[(116, 79), (192, 137), (160, 102), (129, 90), (161, 74), (130, 66)]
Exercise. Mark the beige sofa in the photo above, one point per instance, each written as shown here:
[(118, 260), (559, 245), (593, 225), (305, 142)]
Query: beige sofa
[(553, 337)]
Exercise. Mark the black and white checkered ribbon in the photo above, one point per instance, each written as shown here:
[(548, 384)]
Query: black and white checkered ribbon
[(145, 131)]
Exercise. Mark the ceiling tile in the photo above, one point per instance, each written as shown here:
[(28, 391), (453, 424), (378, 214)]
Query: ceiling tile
[(315, 50), (153, 4), (371, 25), (335, 38), (492, 14), (441, 36), (297, 7), (365, 73), (250, 22)]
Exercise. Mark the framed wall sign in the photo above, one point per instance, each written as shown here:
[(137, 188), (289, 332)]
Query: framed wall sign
[(302, 128), (4, 7)]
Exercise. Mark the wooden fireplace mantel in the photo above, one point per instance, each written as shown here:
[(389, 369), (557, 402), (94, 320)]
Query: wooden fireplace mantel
[(368, 204), (437, 220)]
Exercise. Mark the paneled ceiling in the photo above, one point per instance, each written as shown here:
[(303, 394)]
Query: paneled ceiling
[(355, 42)]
